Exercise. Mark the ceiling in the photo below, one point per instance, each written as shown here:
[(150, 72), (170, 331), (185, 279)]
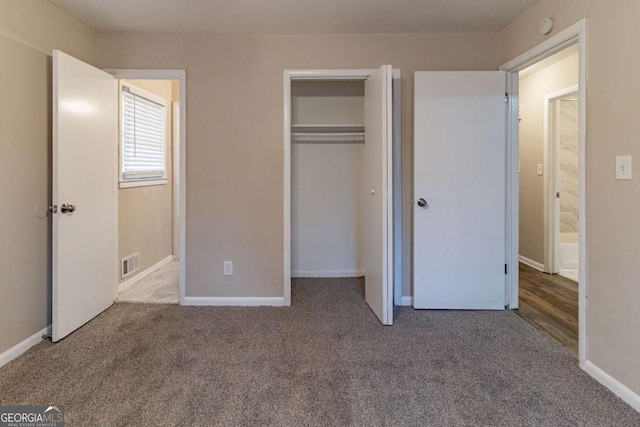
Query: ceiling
[(296, 16)]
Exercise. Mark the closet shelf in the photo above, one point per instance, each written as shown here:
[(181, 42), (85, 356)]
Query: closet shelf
[(328, 128), (327, 133)]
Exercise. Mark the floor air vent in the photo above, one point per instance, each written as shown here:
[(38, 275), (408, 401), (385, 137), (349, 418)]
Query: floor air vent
[(130, 264)]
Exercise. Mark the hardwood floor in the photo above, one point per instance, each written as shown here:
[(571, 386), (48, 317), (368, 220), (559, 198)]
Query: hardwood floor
[(550, 303), (160, 287)]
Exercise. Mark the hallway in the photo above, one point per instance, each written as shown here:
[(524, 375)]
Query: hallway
[(550, 303), (160, 287)]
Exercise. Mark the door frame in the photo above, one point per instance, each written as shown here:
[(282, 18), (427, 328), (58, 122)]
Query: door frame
[(551, 207), (339, 74), (175, 184), (180, 76), (574, 34)]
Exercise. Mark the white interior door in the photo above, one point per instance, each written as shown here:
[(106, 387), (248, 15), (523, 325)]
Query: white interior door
[(379, 214), (459, 171), (85, 164)]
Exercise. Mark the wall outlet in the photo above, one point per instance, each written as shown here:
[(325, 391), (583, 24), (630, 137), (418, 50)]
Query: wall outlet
[(623, 167), (228, 268)]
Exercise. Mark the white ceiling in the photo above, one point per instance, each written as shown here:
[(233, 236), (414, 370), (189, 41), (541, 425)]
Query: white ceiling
[(296, 16)]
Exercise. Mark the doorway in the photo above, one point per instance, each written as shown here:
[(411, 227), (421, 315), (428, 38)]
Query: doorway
[(540, 169), (147, 196), (84, 195), (549, 232), (562, 131), (338, 180), (166, 272)]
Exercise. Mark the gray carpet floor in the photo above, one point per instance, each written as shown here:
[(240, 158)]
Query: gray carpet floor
[(324, 361)]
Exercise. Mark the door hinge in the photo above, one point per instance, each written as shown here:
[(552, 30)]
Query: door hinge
[(506, 271), (506, 97)]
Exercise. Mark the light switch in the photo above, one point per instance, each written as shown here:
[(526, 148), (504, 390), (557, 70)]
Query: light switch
[(539, 168), (623, 167), (228, 268)]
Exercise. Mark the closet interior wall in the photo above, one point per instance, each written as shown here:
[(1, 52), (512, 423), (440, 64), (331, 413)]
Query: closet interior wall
[(327, 178)]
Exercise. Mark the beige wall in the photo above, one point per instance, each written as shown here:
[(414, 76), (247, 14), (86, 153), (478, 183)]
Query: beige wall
[(145, 213), (235, 148), (28, 31), (613, 128), (533, 88), (235, 132)]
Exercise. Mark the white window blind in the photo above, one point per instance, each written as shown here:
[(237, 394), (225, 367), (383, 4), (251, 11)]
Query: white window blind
[(142, 139)]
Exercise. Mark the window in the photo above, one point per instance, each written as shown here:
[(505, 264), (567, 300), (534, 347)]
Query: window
[(143, 137)]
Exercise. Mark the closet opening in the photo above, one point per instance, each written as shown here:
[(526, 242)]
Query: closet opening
[(327, 183), (339, 187)]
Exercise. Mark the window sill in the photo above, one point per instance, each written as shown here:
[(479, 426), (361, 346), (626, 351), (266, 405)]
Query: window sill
[(142, 183)]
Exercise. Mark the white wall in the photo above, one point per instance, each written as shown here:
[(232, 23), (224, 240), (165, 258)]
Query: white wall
[(327, 210)]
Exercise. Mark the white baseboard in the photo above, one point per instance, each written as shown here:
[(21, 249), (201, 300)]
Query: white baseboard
[(128, 283), (234, 301), (531, 263), (23, 346), (327, 273), (407, 301), (619, 389)]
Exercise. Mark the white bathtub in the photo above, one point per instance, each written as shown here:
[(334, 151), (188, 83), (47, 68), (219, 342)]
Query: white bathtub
[(568, 256)]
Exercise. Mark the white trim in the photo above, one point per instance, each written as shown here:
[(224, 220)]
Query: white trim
[(286, 192), (575, 33), (175, 183), (181, 76), (388, 224), (550, 184), (512, 183), (20, 348), (142, 182), (407, 301), (234, 301), (619, 389), (329, 74), (552, 45), (327, 273), (397, 186), (531, 263), (128, 283)]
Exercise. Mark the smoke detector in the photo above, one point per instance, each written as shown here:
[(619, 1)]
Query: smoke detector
[(546, 26)]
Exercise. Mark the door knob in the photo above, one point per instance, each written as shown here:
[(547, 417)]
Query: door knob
[(422, 203), (67, 208)]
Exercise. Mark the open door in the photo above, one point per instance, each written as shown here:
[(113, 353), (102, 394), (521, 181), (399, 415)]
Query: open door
[(459, 190), (85, 167), (378, 175)]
